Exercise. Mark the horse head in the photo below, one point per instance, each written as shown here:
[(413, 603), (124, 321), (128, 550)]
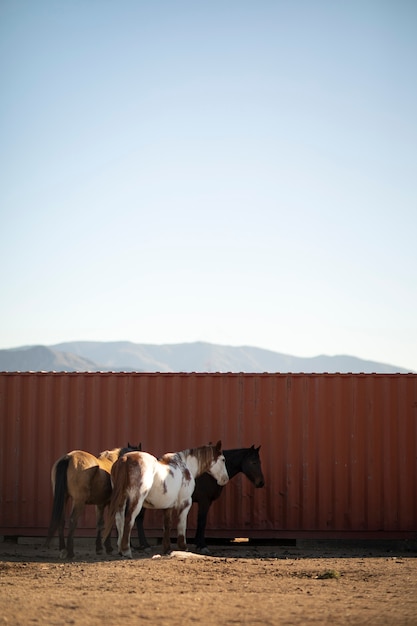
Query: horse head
[(130, 448), (251, 467)]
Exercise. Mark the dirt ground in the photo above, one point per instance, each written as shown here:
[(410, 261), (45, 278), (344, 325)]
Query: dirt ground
[(239, 583)]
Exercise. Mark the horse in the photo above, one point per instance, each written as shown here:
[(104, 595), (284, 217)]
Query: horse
[(207, 490), (141, 480), (86, 479)]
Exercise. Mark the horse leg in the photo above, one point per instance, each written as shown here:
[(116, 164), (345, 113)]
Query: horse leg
[(166, 540), (61, 531), (203, 508), (131, 511), (182, 524), (100, 526), (107, 544), (120, 523), (143, 543), (77, 509)]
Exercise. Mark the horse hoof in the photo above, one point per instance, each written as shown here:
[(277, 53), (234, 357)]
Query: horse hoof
[(143, 547), (126, 553), (63, 554), (109, 550), (204, 550)]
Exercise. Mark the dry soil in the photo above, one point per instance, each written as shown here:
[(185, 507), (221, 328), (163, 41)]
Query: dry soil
[(316, 583)]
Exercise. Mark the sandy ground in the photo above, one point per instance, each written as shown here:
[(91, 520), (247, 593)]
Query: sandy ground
[(314, 583)]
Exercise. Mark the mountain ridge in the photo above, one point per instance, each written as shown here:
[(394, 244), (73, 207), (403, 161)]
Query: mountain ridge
[(117, 356)]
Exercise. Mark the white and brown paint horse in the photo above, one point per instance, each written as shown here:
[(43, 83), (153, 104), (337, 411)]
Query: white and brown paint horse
[(245, 460), (141, 480), (85, 479)]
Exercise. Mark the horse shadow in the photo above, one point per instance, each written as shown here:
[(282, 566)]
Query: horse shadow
[(14, 549)]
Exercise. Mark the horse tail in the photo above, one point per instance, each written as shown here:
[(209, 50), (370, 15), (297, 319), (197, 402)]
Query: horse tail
[(60, 489), (120, 480)]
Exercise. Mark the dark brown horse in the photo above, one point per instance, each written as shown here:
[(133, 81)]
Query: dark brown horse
[(86, 479), (207, 490)]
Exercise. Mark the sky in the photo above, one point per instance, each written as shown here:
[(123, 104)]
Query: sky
[(239, 172)]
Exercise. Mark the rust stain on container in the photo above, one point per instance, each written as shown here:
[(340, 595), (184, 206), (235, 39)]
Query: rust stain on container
[(339, 451)]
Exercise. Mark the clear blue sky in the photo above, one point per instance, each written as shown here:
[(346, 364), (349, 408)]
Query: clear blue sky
[(238, 172)]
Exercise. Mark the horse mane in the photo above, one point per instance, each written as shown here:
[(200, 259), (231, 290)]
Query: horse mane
[(205, 454), (109, 455)]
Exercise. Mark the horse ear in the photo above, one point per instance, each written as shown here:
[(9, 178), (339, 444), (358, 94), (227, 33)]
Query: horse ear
[(258, 448), (219, 445), (140, 447)]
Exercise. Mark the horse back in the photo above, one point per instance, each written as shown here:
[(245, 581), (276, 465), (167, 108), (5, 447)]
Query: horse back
[(81, 460), (125, 478), (130, 471), (168, 485), (88, 478)]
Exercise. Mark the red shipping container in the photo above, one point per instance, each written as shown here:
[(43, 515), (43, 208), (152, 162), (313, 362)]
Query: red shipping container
[(339, 451)]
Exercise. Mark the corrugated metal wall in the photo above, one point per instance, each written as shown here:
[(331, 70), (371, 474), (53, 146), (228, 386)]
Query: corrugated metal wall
[(339, 451)]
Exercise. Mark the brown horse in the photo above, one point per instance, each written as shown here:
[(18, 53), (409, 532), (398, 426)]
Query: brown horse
[(86, 479)]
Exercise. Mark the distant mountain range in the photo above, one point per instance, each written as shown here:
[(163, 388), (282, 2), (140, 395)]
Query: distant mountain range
[(124, 356)]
